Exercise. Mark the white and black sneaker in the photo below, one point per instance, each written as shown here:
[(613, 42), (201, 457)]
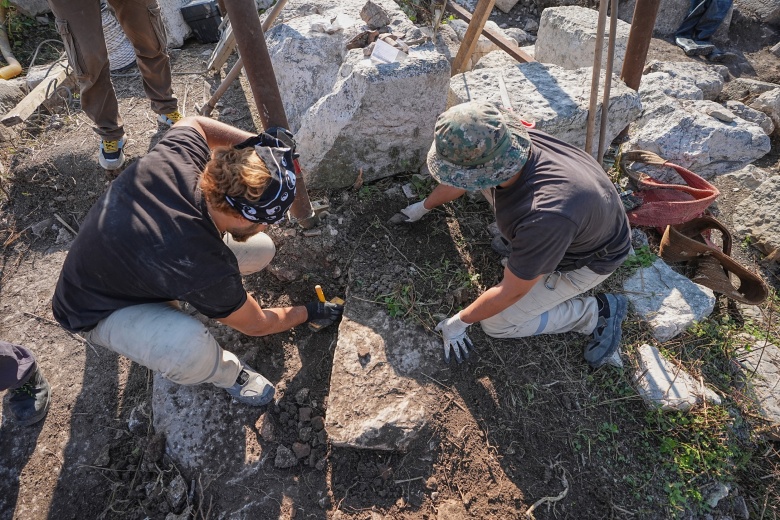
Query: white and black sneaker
[(111, 155), (252, 388)]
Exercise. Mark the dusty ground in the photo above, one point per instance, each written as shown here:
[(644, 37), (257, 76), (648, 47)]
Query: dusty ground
[(522, 420)]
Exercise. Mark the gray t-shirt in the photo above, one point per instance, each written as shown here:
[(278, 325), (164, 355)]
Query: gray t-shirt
[(561, 210)]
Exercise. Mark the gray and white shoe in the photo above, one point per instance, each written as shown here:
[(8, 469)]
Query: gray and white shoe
[(604, 348), (693, 48), (252, 388)]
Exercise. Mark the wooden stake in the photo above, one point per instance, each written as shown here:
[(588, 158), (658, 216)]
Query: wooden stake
[(469, 43), (607, 81), (508, 46), (594, 87)]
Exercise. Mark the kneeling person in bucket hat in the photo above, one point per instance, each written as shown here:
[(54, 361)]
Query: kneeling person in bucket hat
[(184, 223), (561, 221)]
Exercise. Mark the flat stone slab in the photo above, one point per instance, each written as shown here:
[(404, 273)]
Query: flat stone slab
[(668, 301), (567, 37), (379, 398), (190, 419), (761, 361), (555, 98), (664, 385), (708, 77)]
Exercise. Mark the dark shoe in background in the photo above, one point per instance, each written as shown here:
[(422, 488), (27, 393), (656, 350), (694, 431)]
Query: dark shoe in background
[(30, 402)]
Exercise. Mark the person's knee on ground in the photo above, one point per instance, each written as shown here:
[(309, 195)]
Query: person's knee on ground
[(578, 314), (165, 340), (254, 255)]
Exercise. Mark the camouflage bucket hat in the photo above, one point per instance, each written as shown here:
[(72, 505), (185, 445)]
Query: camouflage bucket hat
[(477, 145)]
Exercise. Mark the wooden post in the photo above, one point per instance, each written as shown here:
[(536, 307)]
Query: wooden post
[(508, 46), (469, 43), (607, 81), (594, 86)]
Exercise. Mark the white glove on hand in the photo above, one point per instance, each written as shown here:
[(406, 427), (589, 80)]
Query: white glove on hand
[(453, 331), (415, 212)]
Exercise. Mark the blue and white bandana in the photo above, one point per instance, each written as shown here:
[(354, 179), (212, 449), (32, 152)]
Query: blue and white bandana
[(278, 196)]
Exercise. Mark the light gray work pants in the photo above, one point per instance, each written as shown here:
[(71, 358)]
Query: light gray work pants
[(551, 306), (162, 338)]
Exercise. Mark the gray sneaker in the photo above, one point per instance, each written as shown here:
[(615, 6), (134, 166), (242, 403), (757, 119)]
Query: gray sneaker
[(604, 347), (251, 388), (692, 48)]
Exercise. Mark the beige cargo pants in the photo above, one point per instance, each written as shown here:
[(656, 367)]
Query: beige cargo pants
[(162, 338), (80, 26), (552, 306)]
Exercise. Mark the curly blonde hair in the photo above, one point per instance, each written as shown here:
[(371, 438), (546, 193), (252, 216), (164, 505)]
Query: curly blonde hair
[(237, 173)]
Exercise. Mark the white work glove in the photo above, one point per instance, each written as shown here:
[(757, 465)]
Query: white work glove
[(453, 332), (415, 212)]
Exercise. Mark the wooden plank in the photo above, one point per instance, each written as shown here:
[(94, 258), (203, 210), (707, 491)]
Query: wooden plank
[(224, 48), (508, 46), (469, 43), (38, 95)]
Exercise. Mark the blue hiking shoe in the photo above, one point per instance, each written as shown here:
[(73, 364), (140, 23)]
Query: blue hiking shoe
[(604, 348), (252, 388)]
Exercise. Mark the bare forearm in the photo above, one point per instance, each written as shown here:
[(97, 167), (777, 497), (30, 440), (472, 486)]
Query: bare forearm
[(498, 298), (442, 194), (216, 132), (278, 320), (489, 303), (252, 320)]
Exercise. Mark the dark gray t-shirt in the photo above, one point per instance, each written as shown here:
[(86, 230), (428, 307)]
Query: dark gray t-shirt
[(150, 239), (563, 208)]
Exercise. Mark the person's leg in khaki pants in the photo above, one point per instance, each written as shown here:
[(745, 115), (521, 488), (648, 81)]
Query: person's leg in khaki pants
[(143, 26), (552, 306), (162, 338), (80, 26)]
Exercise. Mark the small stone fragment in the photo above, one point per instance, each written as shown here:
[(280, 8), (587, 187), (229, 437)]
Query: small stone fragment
[(374, 15), (317, 422), (155, 449), (301, 396), (721, 114), (285, 458), (103, 459), (305, 434), (301, 450), (304, 414), (177, 492)]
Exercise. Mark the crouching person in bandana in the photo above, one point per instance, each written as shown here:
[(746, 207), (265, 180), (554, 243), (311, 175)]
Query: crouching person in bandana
[(184, 223)]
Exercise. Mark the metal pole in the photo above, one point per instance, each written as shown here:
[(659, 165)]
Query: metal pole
[(262, 80), (594, 86), (642, 25), (607, 81)]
